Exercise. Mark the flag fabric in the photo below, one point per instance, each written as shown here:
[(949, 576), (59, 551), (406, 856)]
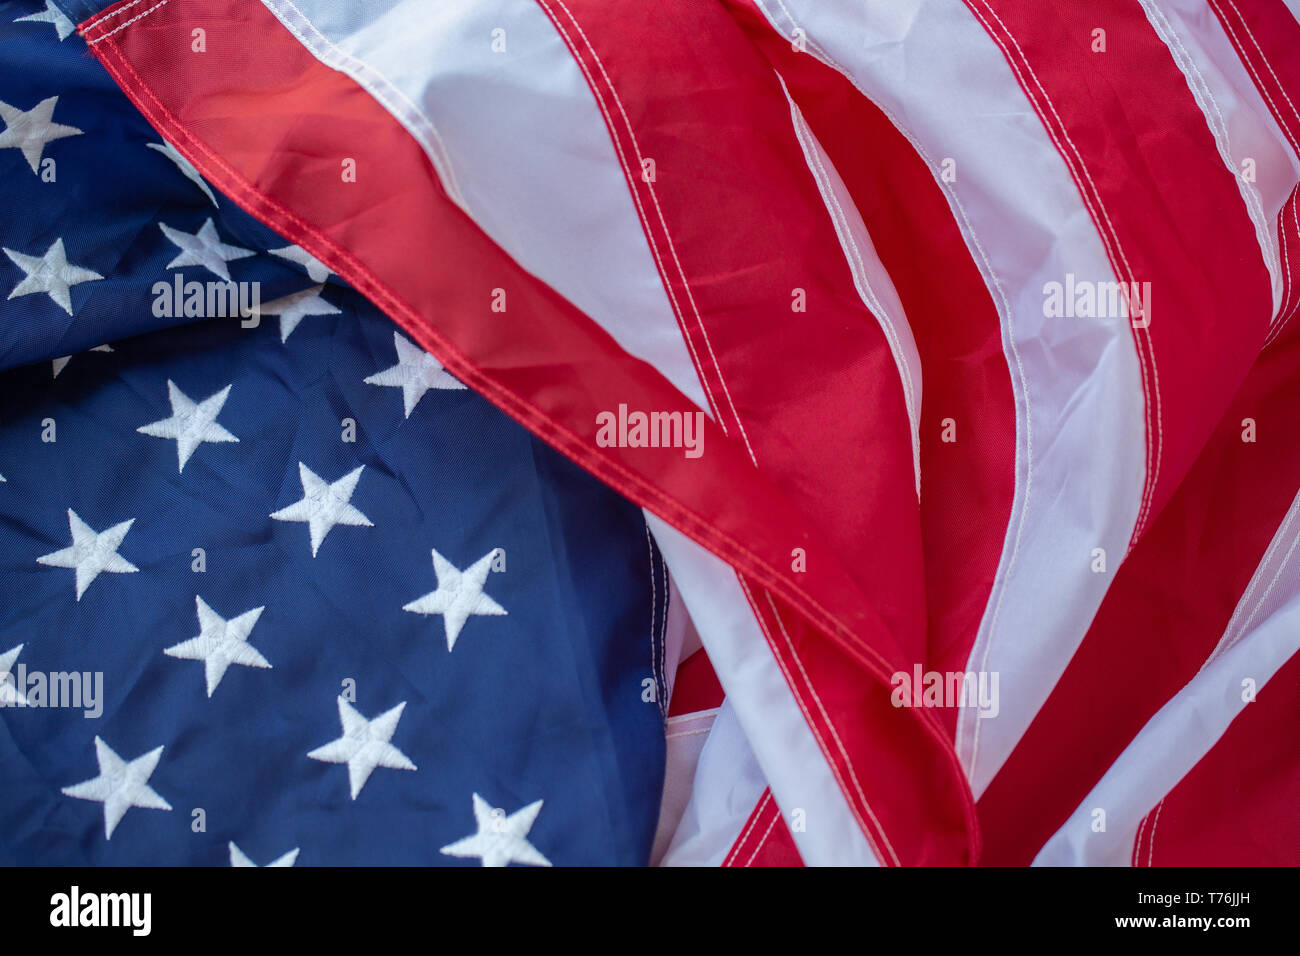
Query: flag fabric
[(277, 589), (946, 347)]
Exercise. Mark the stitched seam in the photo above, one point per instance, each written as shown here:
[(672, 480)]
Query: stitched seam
[(749, 825), (387, 94), (123, 26), (646, 226), (660, 690), (1108, 234), (672, 248), (830, 724), (810, 722), (1151, 477), (1002, 581), (763, 839), (1263, 58), (1166, 31), (857, 266), (109, 15), (1289, 277), (1151, 836), (687, 733)]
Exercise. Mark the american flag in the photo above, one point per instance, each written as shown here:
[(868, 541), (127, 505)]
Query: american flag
[(709, 432)]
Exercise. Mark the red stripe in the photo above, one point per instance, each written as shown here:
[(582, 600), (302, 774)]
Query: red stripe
[(695, 687), (647, 73), (553, 369), (1166, 611), (969, 483), (1149, 172), (765, 840), (1266, 38), (1237, 806)]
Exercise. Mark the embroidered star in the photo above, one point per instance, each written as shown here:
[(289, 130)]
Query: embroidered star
[(191, 423), (62, 361), (51, 14), (364, 745), (459, 595), (292, 309), (29, 130), (10, 694), (415, 373), (220, 643), (120, 785), (324, 504), (203, 248), (500, 840), (50, 273), (317, 271), (239, 858), (91, 552)]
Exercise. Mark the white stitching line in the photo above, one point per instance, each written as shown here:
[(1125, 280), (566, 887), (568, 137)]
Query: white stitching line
[(660, 691), (755, 815), (1151, 837), (123, 26), (763, 839), (1002, 580), (1112, 242), (1290, 277), (672, 248), (821, 742), (1284, 314), (687, 733), (90, 25), (1135, 855), (387, 93), (1263, 58), (1259, 82), (1250, 620), (645, 220), (857, 267), (829, 724), (1166, 31), (1149, 490)]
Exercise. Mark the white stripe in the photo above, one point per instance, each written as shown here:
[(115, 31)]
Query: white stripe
[(1236, 114), (1263, 635), (945, 84), (786, 750), (725, 787), (519, 137), (874, 286)]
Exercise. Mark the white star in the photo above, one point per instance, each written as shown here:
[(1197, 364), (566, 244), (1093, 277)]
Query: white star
[(191, 423), (459, 594), (10, 695), (51, 14), (364, 745), (415, 373), (120, 785), (91, 552), (29, 130), (220, 643), (324, 504), (500, 839), (50, 273), (62, 361), (184, 165), (203, 248), (317, 271), (239, 858), (292, 309)]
